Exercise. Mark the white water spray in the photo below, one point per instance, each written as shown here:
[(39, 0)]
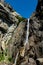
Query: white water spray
[(27, 34)]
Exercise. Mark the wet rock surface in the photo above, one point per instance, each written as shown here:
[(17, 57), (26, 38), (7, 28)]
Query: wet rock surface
[(13, 35)]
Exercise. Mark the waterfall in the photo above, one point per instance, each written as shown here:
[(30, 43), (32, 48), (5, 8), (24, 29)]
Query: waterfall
[(26, 42), (27, 34), (16, 58)]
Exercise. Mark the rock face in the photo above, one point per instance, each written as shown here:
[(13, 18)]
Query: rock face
[(13, 35)]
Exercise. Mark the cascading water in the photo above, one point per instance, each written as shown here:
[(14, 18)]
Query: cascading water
[(27, 34), (26, 42), (16, 59)]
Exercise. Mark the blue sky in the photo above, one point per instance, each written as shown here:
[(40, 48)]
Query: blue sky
[(24, 7)]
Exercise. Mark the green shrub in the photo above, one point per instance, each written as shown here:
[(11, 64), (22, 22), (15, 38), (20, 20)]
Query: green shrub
[(9, 59), (20, 18), (2, 57)]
